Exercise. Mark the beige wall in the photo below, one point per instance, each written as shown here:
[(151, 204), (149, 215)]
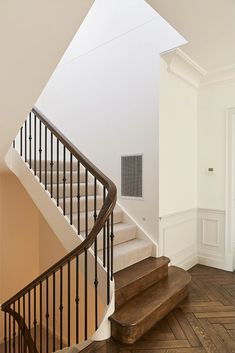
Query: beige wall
[(19, 234), (50, 248), (28, 247)]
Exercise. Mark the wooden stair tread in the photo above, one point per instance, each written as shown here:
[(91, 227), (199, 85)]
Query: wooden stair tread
[(142, 312), (143, 304), (132, 273)]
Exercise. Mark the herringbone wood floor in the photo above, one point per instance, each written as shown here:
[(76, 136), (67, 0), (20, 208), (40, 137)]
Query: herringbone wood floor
[(204, 322)]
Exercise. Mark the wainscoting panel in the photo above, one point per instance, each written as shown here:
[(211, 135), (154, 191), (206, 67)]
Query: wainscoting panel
[(178, 238), (211, 238)]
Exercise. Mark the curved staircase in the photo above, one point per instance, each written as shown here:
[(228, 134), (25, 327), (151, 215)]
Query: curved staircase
[(61, 308)]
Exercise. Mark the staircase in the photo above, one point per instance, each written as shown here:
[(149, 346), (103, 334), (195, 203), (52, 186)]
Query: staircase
[(128, 248), (63, 307)]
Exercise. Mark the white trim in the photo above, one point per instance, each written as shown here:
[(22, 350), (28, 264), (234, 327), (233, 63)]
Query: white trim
[(221, 75), (229, 224), (181, 65), (176, 213), (190, 61), (204, 241), (211, 210)]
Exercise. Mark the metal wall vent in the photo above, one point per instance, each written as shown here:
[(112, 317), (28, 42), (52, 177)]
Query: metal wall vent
[(132, 176)]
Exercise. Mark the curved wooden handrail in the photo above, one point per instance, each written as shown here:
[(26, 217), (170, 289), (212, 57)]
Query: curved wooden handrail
[(27, 336), (100, 222), (86, 244)]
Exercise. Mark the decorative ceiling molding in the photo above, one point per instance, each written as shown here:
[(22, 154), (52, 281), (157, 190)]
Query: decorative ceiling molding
[(184, 67), (224, 74)]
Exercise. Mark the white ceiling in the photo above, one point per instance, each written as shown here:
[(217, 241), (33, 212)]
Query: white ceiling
[(209, 27)]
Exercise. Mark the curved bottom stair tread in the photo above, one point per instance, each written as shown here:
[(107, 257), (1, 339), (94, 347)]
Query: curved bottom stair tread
[(143, 311)]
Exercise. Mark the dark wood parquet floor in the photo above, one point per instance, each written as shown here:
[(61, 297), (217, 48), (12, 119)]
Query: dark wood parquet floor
[(203, 323)]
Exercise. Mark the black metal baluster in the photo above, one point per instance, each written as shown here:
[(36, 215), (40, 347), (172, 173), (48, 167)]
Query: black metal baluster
[(86, 200), (35, 317), (24, 348), (30, 140), (86, 299), (112, 239), (45, 182), (19, 338), (78, 195), (35, 144), (14, 144), (29, 310), (64, 178), (40, 151), (14, 330), (57, 172), (52, 164), (5, 331), (21, 141), (95, 251), (47, 315), (108, 263), (71, 188), (40, 295), (104, 232), (77, 299), (9, 332), (25, 141), (61, 307), (68, 303), (54, 303)]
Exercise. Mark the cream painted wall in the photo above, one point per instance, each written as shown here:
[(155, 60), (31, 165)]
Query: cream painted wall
[(177, 144), (19, 235), (213, 101)]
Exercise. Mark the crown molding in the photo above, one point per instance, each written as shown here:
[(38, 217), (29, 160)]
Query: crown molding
[(184, 67), (221, 75)]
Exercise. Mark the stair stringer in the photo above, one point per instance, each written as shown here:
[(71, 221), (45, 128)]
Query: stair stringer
[(141, 233), (66, 234)]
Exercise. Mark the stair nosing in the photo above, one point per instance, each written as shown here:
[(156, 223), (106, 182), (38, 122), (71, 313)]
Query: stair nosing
[(140, 275)]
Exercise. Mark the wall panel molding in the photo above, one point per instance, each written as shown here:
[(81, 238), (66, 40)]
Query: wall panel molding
[(178, 238), (195, 236)]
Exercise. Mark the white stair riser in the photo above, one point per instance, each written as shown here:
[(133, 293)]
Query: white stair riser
[(117, 218), (61, 165), (61, 177), (90, 204), (90, 190), (129, 253), (120, 236)]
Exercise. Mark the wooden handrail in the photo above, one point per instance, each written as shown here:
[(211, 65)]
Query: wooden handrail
[(100, 221)]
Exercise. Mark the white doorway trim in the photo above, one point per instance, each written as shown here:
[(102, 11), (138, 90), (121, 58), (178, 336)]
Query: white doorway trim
[(230, 188)]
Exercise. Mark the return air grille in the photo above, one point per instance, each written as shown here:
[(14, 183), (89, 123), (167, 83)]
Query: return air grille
[(131, 176)]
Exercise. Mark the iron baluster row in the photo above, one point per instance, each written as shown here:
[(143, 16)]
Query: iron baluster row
[(46, 305)]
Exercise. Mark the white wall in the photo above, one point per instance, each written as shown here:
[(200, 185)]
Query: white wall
[(178, 144), (214, 248), (105, 99), (214, 99), (177, 168)]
